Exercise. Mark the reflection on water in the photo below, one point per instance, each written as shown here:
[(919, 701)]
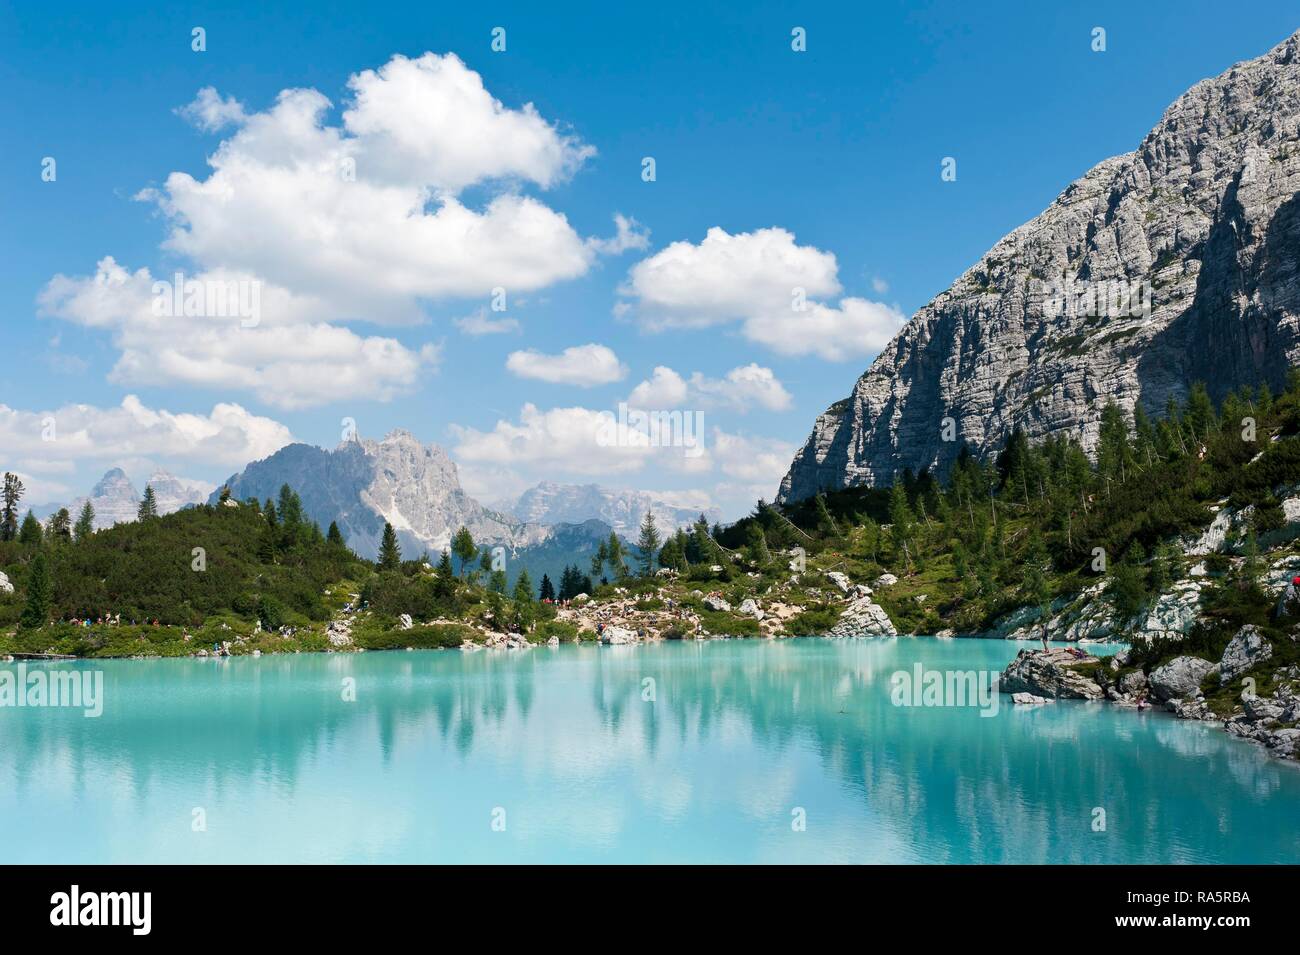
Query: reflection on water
[(737, 738)]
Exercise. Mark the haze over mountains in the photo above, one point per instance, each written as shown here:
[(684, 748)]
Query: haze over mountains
[(116, 500), (622, 509), (1203, 217)]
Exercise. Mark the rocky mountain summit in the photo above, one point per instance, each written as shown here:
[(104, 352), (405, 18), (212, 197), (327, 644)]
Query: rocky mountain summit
[(116, 500), (363, 483), (1171, 264), (622, 509)]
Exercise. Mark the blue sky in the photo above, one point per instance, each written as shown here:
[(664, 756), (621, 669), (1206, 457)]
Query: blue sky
[(818, 169)]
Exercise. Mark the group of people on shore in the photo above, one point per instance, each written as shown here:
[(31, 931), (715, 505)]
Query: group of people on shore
[(107, 620)]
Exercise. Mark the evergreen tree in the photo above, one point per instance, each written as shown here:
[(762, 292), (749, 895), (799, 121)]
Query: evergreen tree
[(390, 554), (334, 535), (900, 519), (756, 545), (1201, 419), (598, 560), (290, 509), (701, 549), (462, 545), (60, 527), (148, 505), (523, 592), (36, 612), (648, 544), (31, 532), (268, 545), (443, 570), (497, 582), (85, 523), (615, 556), (672, 554), (547, 589), (825, 523), (13, 493)]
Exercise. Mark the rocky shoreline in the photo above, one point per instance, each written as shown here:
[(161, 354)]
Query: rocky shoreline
[(1178, 685)]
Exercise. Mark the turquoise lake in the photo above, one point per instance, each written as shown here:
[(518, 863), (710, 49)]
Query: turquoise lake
[(556, 755)]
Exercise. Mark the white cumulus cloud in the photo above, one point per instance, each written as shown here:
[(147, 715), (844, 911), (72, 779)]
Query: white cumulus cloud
[(742, 389), (287, 358), (228, 435), (582, 365), (775, 288)]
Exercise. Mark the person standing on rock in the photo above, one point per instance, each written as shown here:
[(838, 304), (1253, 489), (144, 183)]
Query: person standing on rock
[(1289, 603)]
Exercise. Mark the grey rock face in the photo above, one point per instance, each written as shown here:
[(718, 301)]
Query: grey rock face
[(172, 492), (1247, 648), (1049, 673), (1204, 214), (623, 510), (1178, 678), (361, 484), (863, 618), (114, 499)]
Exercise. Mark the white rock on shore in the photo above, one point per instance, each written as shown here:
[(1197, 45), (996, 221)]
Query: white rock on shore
[(863, 618), (1180, 677)]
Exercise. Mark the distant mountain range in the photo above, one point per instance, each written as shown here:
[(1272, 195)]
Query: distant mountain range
[(364, 483), (116, 500), (621, 509)]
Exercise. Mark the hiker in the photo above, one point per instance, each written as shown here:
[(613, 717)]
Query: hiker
[(1288, 605)]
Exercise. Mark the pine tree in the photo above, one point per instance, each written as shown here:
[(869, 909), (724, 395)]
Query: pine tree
[(85, 523), (36, 612), (334, 535), (901, 519), (547, 590), (648, 544), (523, 592), (60, 527), (31, 532), (290, 508), (756, 545), (148, 504), (614, 550), (390, 554), (462, 545), (598, 560), (13, 493), (497, 582)]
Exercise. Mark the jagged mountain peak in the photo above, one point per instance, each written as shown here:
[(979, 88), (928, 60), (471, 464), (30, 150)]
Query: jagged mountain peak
[(1190, 243), (364, 483)]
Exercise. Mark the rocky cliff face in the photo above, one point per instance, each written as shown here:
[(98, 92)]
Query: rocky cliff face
[(114, 499), (172, 492), (363, 483), (623, 510), (1172, 264)]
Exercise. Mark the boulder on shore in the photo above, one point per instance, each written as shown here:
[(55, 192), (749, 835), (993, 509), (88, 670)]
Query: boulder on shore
[(617, 636), (1050, 673), (863, 618), (1180, 677), (1246, 649)]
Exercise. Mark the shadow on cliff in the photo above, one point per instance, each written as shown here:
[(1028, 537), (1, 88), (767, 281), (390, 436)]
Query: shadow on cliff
[(1241, 326)]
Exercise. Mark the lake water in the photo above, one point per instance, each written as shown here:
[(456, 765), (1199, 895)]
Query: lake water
[(748, 751)]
